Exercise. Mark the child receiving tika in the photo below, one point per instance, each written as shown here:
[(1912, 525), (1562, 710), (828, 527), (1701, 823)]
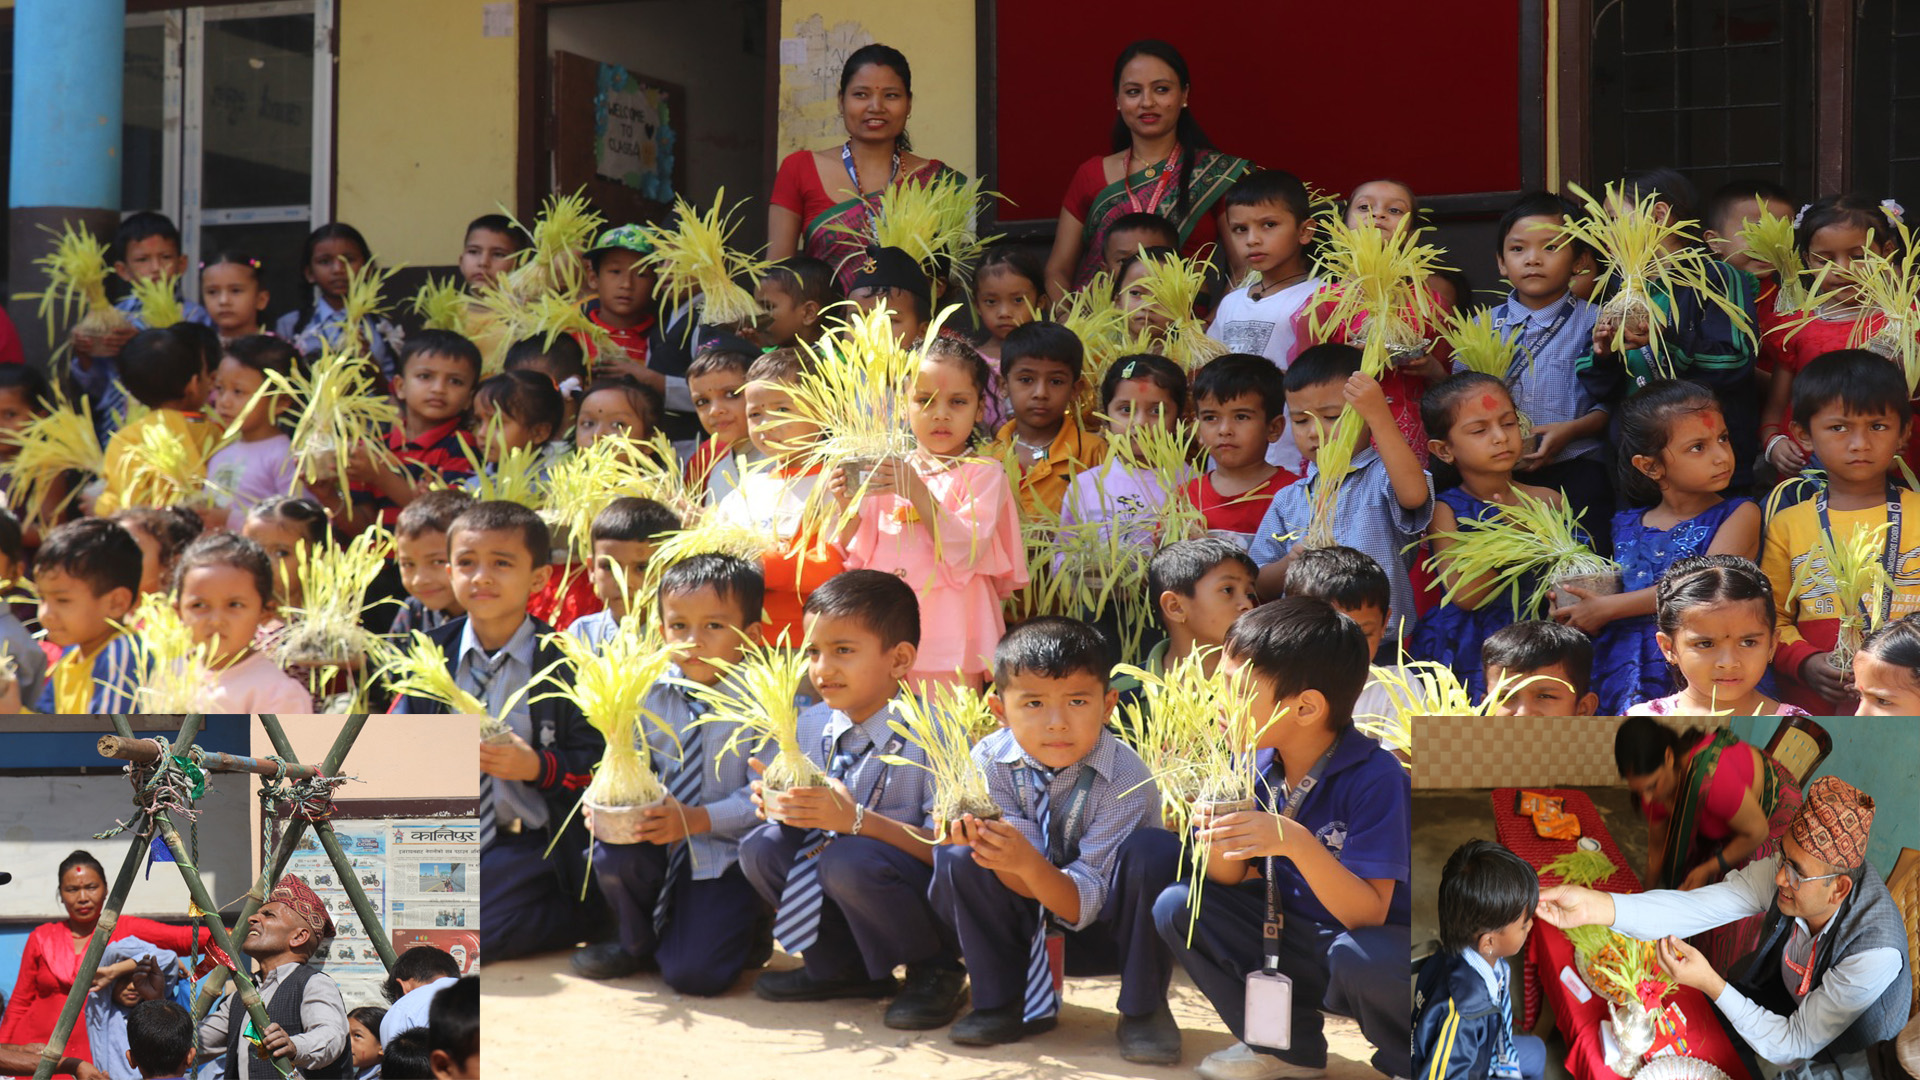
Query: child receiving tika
[(1463, 1001), (1081, 836), (1676, 454), (1716, 618), (848, 863), (223, 589), (943, 521)]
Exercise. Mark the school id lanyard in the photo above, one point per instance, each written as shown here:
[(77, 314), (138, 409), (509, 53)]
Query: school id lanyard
[(1891, 557), (853, 173), (1270, 932), (843, 766)]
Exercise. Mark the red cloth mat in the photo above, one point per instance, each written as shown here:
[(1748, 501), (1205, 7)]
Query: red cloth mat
[(1548, 951)]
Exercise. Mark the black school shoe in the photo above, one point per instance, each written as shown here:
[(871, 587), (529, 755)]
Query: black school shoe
[(994, 1027), (1153, 1039), (608, 960), (930, 999), (797, 985)]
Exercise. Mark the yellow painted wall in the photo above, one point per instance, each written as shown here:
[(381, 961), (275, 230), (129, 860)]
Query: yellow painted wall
[(938, 40), (427, 119)]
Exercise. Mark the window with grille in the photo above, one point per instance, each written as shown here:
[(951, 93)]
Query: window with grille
[(1886, 101)]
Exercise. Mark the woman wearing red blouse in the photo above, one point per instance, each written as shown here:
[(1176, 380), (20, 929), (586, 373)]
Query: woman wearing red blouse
[(52, 956), (823, 199)]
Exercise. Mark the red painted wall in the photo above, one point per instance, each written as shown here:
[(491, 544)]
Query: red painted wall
[(1426, 91)]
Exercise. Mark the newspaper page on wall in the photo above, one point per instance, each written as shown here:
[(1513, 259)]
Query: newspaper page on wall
[(350, 957), (433, 886)]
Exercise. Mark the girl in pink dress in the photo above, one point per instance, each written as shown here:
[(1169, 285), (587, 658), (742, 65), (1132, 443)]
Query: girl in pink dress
[(1715, 614), (943, 520), (223, 589)]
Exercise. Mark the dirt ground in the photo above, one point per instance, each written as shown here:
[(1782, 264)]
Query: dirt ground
[(541, 1021)]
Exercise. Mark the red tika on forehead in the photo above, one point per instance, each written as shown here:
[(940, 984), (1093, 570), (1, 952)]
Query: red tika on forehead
[(1488, 401)]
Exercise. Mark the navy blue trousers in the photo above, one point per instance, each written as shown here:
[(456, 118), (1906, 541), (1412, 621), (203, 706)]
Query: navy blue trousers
[(1356, 973), (994, 925), (875, 916), (525, 905), (710, 928)]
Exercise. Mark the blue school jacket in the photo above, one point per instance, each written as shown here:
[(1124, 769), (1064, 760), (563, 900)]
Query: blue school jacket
[(1455, 1021)]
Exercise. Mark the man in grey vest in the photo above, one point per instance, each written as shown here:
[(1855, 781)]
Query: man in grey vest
[(308, 1020), (1829, 979)]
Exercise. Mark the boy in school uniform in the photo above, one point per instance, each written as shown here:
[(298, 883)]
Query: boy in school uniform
[(717, 381), (679, 897), (1241, 403), (1042, 364), (1080, 848), (420, 549), (794, 296), (145, 246), (1199, 587), (1556, 658), (166, 371), (847, 865), (1331, 837), (1356, 587), (1463, 999), (1386, 500), (87, 573), (498, 554), (623, 539)]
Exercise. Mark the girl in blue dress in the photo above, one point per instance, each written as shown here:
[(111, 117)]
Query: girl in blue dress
[(1675, 461), (1474, 432)]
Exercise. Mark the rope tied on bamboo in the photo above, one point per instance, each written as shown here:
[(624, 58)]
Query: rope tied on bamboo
[(169, 784)]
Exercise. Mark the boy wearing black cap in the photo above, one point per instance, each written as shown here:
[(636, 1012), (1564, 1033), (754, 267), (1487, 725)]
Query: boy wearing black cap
[(890, 276)]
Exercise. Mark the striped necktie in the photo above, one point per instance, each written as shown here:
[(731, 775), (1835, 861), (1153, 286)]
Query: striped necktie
[(483, 674), (685, 789), (798, 925), (1506, 1061), (1041, 1001)]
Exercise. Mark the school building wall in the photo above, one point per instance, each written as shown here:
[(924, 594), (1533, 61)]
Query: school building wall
[(1880, 756)]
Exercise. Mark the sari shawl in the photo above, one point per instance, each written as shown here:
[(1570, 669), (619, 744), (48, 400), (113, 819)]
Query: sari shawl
[(842, 230), (1151, 190)]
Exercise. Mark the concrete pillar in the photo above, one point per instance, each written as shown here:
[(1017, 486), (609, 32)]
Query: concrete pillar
[(68, 60)]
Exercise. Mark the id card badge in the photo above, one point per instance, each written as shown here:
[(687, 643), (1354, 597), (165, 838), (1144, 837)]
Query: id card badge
[(1269, 1019), (1057, 960)]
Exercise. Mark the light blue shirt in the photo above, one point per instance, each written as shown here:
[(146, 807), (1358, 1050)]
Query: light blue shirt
[(723, 773), (1843, 993), (1122, 799), (107, 1019), (595, 629), (411, 1010), (512, 798), (900, 792), (1548, 389)]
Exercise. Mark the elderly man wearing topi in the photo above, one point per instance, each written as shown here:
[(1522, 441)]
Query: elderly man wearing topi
[(1829, 979), (307, 1019)]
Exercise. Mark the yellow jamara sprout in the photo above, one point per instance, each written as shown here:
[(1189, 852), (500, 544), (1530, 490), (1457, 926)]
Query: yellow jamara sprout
[(692, 258), (46, 449), (547, 316), (1381, 290), (164, 468), (159, 300), (363, 302), (175, 671), (1641, 268), (709, 536), (514, 475), (931, 220), (1479, 345), (443, 305), (341, 408), (564, 228), (1860, 585), (1426, 688), (944, 724), (1173, 286), (755, 696), (579, 484), (325, 630), (1530, 539), (418, 668), (1333, 463), (1886, 285), (609, 684), (76, 271), (1769, 240)]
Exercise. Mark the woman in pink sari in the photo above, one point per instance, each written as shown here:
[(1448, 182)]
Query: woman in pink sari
[(823, 199)]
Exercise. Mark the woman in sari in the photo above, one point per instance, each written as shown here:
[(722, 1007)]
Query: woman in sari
[(1713, 804), (1162, 163), (823, 200)]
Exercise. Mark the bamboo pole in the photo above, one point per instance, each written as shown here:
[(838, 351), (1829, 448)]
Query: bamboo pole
[(275, 862), (323, 830), (146, 751)]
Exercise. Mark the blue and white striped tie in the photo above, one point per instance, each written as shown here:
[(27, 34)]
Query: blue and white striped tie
[(1040, 1000), (798, 925), (483, 674), (685, 789), (1506, 1060)]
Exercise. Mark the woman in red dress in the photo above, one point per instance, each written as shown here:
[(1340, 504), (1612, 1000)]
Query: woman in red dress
[(822, 199), (52, 956), (1162, 163)]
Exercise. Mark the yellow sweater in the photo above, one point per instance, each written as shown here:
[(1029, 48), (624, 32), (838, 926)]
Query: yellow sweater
[(123, 490)]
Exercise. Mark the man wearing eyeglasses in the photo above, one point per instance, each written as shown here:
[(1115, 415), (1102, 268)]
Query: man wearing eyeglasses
[(1829, 979)]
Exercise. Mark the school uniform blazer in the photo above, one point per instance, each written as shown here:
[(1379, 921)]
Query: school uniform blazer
[(1455, 1021), (568, 746)]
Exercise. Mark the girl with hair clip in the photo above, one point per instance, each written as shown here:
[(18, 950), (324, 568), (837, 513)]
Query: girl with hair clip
[(1886, 670), (1832, 236), (234, 294), (1716, 628), (1161, 162), (333, 253)]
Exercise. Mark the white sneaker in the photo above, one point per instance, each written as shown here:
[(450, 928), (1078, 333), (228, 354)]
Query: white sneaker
[(1242, 1062)]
